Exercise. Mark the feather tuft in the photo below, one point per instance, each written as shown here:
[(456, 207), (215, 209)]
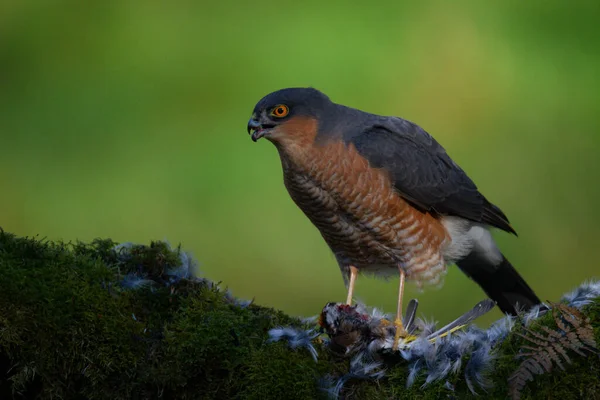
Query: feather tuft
[(296, 338)]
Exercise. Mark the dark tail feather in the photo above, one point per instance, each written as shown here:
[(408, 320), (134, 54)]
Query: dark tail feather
[(502, 283)]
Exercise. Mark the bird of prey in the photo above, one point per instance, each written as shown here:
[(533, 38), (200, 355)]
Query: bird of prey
[(386, 197)]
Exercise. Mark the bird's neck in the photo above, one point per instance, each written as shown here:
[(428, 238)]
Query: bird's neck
[(294, 157)]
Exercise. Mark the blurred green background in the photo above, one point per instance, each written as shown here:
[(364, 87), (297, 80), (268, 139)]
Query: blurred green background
[(127, 120)]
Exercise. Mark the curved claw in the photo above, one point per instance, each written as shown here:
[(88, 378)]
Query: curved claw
[(400, 333)]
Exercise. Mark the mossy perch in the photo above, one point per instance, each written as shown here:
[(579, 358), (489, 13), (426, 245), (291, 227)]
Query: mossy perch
[(86, 321)]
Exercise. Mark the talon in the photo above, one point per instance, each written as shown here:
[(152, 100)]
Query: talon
[(400, 333)]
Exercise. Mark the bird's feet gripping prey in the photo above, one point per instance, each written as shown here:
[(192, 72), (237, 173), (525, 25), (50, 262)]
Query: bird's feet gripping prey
[(355, 328), (401, 332)]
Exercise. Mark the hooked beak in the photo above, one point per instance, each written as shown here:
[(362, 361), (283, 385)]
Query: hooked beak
[(257, 130)]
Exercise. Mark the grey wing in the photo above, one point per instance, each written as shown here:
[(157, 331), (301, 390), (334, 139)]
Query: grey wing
[(423, 173)]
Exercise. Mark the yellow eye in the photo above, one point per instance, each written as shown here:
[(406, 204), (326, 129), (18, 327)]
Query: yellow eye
[(280, 111)]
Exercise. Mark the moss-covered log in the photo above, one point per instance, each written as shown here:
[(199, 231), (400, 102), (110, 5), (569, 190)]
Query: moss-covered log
[(101, 321)]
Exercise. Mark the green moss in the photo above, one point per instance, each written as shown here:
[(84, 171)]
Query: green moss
[(69, 329)]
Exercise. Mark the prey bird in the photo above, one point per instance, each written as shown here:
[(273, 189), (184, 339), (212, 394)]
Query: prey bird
[(386, 197)]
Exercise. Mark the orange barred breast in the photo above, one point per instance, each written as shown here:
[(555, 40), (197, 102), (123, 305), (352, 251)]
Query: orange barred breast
[(360, 215)]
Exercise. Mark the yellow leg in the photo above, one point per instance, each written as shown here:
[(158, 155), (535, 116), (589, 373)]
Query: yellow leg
[(400, 331), (353, 274)]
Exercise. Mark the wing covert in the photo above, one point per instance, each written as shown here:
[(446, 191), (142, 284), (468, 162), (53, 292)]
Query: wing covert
[(423, 173)]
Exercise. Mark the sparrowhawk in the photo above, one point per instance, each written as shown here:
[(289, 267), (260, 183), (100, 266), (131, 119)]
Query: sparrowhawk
[(386, 197)]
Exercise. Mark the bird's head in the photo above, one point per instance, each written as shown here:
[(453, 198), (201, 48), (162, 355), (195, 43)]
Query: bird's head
[(288, 114)]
